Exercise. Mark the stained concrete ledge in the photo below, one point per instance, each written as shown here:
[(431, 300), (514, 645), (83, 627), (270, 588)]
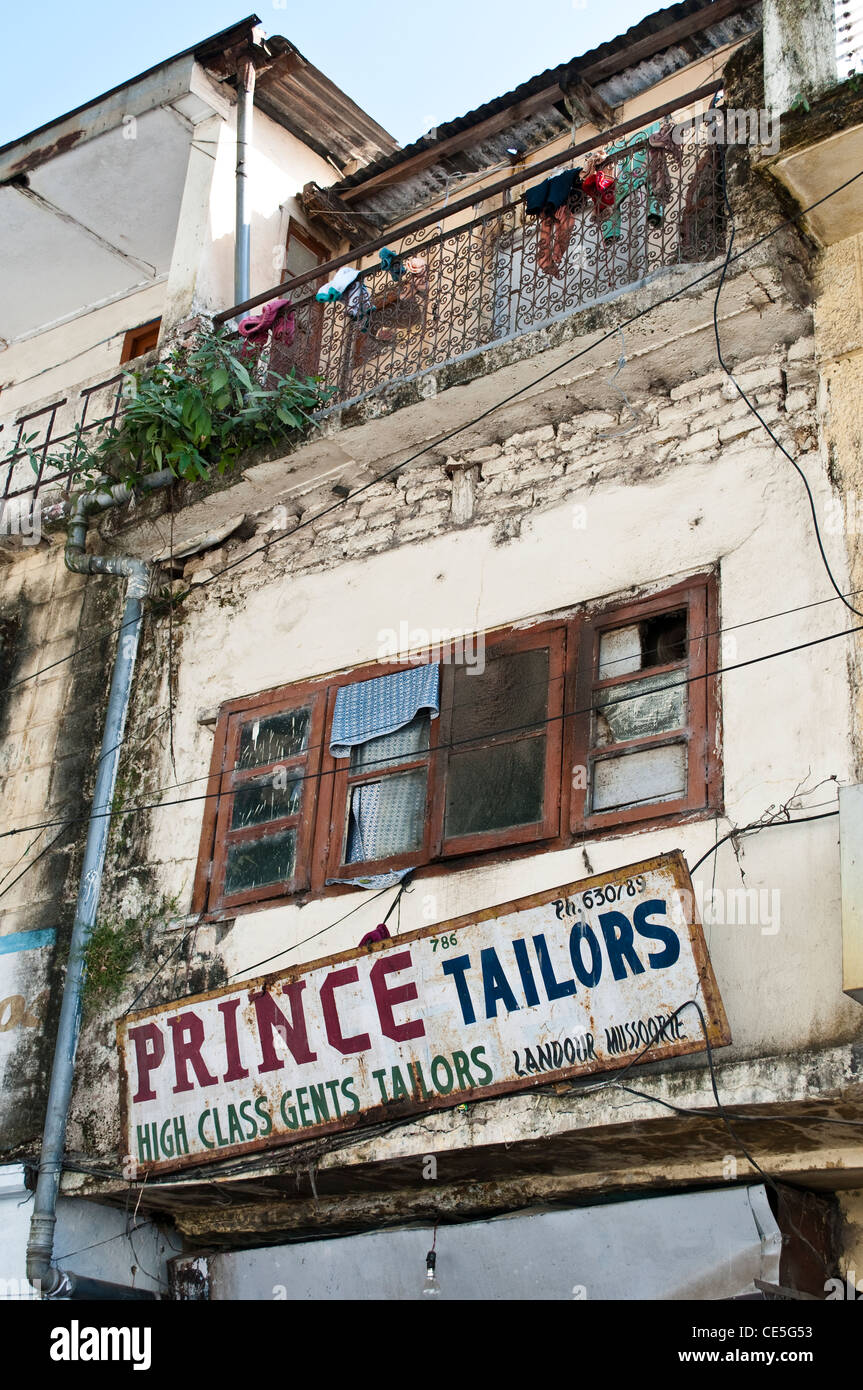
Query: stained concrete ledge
[(557, 372)]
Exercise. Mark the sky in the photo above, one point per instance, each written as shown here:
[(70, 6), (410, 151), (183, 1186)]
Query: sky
[(411, 67)]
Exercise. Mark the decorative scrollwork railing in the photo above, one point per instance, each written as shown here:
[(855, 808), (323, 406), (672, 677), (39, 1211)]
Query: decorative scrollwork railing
[(454, 291), (507, 273)]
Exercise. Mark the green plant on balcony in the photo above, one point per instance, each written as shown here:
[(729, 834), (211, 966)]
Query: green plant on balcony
[(197, 413)]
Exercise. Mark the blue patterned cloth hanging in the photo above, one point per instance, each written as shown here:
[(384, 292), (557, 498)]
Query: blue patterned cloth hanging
[(371, 709), (384, 716)]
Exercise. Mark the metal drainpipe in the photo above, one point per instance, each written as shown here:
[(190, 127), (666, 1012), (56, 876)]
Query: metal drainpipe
[(53, 1282), (243, 234)]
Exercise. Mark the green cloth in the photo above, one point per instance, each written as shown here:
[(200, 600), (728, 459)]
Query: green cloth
[(632, 173)]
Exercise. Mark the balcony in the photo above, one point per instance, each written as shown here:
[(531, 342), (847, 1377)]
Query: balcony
[(451, 292), (459, 291)]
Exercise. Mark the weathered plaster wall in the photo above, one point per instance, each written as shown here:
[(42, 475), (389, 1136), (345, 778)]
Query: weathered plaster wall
[(279, 166), (62, 360), (851, 1238), (563, 514), (46, 753), (839, 340)]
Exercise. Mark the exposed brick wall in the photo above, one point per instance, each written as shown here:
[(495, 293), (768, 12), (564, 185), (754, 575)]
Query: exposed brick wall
[(693, 423)]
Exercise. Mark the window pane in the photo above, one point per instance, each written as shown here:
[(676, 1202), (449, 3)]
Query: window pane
[(511, 693), (495, 788), (619, 719), (399, 747), (386, 817), (269, 740), (263, 801), (656, 641), (269, 860), (619, 652), (299, 258), (654, 774)]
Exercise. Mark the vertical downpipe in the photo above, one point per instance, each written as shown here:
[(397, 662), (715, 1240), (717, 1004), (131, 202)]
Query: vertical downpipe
[(242, 235), (41, 1271)]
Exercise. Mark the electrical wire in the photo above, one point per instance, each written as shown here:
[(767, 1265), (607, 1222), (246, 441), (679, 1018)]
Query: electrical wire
[(297, 1157), (749, 829), (614, 661), (329, 927), (468, 424), (754, 409), (456, 743)]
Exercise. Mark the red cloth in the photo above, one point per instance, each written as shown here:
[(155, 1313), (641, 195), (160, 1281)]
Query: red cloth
[(380, 933), (276, 317), (555, 230), (600, 187)]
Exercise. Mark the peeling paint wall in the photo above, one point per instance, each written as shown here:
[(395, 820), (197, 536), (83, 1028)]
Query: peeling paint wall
[(46, 759), (561, 514)]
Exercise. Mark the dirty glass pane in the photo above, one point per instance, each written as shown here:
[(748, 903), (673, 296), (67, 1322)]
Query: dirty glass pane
[(655, 641), (270, 860), (495, 788), (619, 652), (654, 774), (510, 693), (261, 801), (386, 817), (270, 740), (399, 747), (619, 718)]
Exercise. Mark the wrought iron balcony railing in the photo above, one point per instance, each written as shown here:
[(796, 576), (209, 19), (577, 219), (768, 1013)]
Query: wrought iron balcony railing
[(448, 292), (507, 273), (51, 431)]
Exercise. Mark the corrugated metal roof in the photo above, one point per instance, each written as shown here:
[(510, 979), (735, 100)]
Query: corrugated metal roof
[(621, 80)]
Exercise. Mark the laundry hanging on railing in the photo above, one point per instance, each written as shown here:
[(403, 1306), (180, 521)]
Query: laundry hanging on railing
[(601, 188), (347, 287), (333, 290), (384, 716), (644, 166), (391, 262), (552, 193), (276, 319), (358, 304), (555, 202)]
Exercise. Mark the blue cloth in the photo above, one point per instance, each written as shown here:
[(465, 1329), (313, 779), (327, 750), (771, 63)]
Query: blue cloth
[(371, 709), (383, 716), (391, 262), (554, 192)]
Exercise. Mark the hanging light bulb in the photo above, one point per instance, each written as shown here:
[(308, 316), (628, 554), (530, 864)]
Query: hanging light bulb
[(431, 1288)]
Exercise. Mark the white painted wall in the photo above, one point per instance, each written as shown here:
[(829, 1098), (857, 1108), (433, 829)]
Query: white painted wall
[(193, 253), (91, 1239), (279, 166), (784, 723), (699, 1245)]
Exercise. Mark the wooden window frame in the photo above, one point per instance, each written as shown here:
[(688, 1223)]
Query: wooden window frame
[(573, 642), (132, 341), (699, 732)]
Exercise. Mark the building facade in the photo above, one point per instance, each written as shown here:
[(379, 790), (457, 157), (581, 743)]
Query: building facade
[(532, 612)]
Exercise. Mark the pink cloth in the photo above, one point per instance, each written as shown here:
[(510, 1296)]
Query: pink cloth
[(276, 318), (380, 933)]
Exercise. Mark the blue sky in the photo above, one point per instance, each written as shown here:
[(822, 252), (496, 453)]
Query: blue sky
[(411, 66)]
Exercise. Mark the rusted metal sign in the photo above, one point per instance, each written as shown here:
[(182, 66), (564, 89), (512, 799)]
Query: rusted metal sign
[(584, 978)]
